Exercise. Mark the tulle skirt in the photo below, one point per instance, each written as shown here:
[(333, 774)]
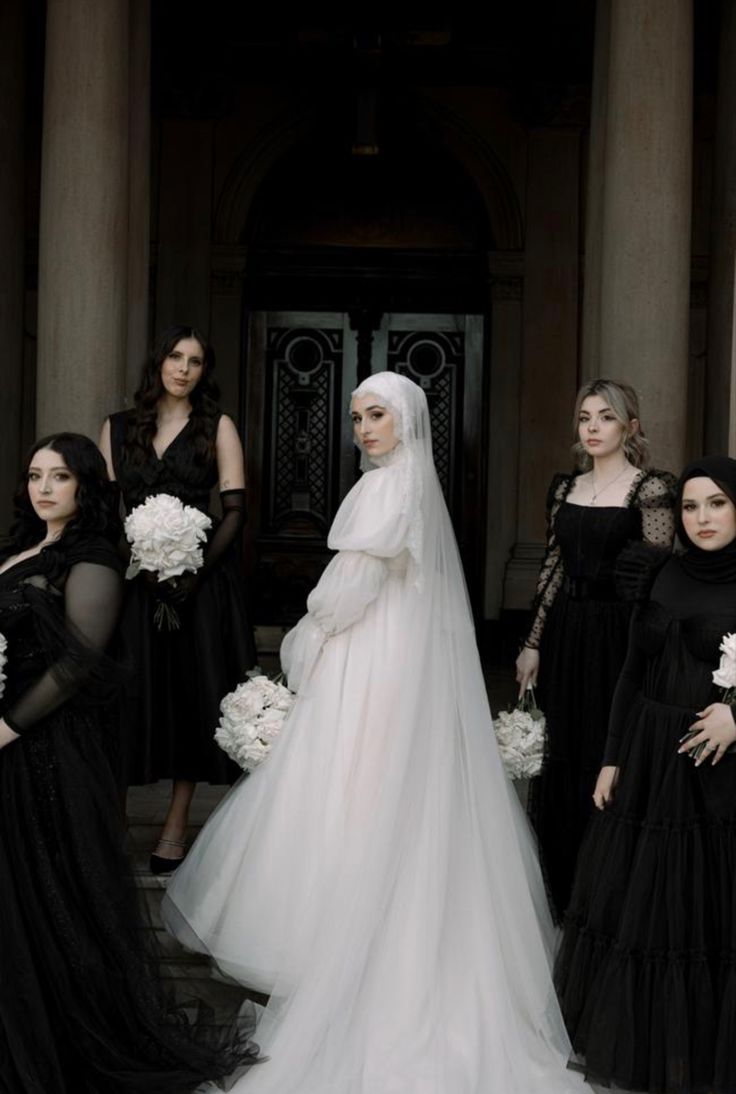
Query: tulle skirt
[(377, 878), (82, 1008), (583, 648), (647, 969), (179, 677)]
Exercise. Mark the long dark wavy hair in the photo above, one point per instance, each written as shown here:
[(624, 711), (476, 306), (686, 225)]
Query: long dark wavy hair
[(142, 425), (97, 498)]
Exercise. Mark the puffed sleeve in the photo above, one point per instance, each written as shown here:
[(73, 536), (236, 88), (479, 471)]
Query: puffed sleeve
[(369, 528), (92, 597), (655, 499)]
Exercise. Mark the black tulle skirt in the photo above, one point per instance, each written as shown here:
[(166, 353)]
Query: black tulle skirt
[(82, 1009), (647, 968), (583, 648), (179, 678)]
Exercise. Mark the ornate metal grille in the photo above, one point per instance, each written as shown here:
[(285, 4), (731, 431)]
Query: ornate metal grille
[(436, 361), (304, 373)]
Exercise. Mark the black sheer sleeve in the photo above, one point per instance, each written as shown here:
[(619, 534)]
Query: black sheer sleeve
[(92, 597), (180, 589), (552, 571), (233, 519), (654, 496), (629, 683)]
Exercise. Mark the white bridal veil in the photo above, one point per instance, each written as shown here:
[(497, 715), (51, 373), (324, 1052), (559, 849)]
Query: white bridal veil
[(377, 876)]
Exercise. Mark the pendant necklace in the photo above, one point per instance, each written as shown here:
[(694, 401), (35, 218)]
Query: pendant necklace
[(596, 493)]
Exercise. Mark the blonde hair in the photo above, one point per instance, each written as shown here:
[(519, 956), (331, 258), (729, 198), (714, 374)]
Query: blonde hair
[(624, 403)]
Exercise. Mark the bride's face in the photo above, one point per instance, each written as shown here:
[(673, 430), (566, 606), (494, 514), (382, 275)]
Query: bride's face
[(708, 515), (373, 425)]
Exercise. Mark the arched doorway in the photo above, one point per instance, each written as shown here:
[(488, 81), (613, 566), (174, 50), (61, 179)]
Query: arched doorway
[(355, 264)]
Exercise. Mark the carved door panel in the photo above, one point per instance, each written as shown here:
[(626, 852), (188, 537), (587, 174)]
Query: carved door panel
[(301, 459)]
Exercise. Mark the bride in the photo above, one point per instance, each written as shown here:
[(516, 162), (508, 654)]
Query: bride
[(376, 877)]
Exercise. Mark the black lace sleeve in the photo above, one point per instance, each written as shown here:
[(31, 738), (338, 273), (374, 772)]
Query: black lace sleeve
[(654, 496), (552, 572), (92, 595)]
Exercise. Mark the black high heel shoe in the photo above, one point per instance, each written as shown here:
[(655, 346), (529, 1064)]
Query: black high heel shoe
[(160, 865)]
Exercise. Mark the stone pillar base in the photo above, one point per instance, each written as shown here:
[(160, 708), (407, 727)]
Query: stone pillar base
[(522, 571)]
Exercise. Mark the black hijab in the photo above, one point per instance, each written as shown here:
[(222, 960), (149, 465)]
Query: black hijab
[(711, 566)]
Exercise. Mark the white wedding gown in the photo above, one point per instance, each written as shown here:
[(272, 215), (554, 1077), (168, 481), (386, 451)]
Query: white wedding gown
[(376, 875)]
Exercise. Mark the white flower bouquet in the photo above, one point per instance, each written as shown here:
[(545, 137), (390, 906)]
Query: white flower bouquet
[(251, 717), (723, 677), (166, 539), (520, 737), (3, 661)]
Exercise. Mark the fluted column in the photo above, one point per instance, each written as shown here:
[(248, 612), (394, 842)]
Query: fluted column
[(11, 248), (83, 260), (645, 261), (720, 392)]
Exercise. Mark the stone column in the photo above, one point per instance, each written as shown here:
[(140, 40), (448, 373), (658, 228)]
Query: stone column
[(590, 356), (645, 262), (720, 376), (11, 248), (549, 350), (550, 331), (139, 231), (83, 250)]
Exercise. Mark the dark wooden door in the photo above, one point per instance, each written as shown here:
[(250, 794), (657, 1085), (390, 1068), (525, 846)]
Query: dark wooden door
[(301, 369)]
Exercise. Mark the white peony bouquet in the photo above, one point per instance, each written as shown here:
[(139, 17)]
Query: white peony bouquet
[(3, 661), (520, 737), (166, 539), (251, 717)]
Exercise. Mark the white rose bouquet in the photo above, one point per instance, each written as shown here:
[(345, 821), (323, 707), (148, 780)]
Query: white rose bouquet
[(3, 661), (520, 737), (251, 717), (166, 539), (723, 677)]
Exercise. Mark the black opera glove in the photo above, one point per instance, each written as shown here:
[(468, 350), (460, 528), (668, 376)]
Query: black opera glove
[(230, 526)]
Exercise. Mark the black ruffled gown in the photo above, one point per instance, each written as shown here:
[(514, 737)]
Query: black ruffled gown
[(647, 969), (581, 628), (81, 1007), (172, 704)]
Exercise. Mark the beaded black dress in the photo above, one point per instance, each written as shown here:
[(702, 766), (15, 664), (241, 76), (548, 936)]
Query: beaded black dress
[(647, 968), (172, 705), (81, 1005), (581, 628)]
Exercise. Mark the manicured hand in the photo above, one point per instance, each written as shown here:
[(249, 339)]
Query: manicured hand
[(605, 786), (716, 730), (7, 735), (527, 669)]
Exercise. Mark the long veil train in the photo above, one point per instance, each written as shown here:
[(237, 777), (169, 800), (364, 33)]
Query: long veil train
[(376, 877)]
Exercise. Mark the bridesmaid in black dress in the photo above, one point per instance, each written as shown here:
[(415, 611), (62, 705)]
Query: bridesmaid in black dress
[(647, 968), (176, 441), (81, 1006), (577, 642)]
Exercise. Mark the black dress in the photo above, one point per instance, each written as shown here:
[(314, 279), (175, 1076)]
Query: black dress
[(647, 969), (81, 1007), (173, 702), (581, 628)]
